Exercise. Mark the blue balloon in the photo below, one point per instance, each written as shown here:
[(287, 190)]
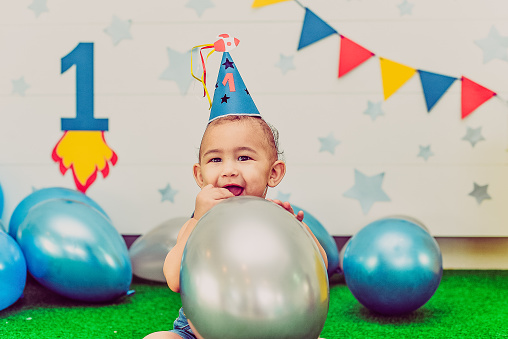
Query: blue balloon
[(21, 211), (324, 238), (411, 219), (73, 250), (12, 271), (392, 266), (1, 202)]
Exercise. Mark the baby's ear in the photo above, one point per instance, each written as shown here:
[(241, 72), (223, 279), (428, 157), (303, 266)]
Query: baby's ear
[(277, 173), (196, 170)]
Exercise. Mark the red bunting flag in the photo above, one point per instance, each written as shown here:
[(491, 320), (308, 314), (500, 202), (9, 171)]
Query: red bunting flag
[(473, 96), (351, 55)]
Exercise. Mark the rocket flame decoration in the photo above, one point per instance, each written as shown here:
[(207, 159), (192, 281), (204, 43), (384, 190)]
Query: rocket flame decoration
[(224, 43), (84, 152), (83, 148)]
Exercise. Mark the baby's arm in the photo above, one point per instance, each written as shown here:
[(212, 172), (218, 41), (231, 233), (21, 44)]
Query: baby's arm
[(321, 249), (299, 216), (174, 257), (208, 197)]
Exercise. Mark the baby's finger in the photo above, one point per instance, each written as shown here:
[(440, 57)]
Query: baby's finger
[(288, 207), (223, 193), (278, 202), (299, 216)]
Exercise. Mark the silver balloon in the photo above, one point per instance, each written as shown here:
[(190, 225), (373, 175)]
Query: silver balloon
[(149, 251), (341, 256), (251, 270)]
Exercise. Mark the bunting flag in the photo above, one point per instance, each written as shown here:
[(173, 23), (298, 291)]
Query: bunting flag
[(434, 86), (262, 3), (351, 55), (394, 75), (473, 96), (313, 29)]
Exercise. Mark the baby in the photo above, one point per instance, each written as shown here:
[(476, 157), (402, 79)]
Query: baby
[(238, 156)]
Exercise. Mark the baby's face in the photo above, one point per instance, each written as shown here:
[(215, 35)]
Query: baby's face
[(236, 155)]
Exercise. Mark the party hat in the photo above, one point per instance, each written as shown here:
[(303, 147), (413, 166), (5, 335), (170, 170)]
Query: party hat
[(231, 96)]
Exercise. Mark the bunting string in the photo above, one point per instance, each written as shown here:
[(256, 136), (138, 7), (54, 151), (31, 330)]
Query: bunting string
[(394, 75)]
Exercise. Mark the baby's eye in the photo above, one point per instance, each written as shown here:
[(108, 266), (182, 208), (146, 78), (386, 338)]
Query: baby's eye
[(244, 158), (215, 160)]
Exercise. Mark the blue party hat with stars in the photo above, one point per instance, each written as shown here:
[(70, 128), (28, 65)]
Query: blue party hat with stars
[(231, 96)]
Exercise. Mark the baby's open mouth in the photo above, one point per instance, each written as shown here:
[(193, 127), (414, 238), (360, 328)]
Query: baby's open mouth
[(236, 190)]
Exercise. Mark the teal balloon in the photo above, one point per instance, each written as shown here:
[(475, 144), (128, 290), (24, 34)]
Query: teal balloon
[(392, 266), (12, 271), (21, 210), (410, 219), (74, 250), (1, 202), (324, 238)]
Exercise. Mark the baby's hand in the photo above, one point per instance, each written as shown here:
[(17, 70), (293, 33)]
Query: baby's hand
[(209, 197), (287, 206)]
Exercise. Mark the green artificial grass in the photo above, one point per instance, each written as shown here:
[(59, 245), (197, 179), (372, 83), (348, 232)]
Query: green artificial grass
[(467, 304)]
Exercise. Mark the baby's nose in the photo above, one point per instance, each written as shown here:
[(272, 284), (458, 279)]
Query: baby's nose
[(229, 169)]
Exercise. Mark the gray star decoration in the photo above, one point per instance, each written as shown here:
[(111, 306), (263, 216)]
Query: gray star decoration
[(480, 193), (200, 6), (19, 86), (283, 196), (494, 46), (168, 193), (38, 6), (285, 63), (374, 109), (405, 8), (328, 144), (119, 30), (178, 70), (367, 190), (425, 152), (473, 135)]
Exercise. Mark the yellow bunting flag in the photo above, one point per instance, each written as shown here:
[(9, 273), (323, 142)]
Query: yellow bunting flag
[(262, 3), (394, 75)]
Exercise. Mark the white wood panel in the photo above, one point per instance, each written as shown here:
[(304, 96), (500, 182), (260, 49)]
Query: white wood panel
[(155, 130)]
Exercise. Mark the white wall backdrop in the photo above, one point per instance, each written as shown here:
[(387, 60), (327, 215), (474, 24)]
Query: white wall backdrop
[(157, 114)]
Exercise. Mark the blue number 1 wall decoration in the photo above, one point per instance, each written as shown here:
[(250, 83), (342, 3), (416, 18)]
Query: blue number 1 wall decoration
[(83, 147)]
